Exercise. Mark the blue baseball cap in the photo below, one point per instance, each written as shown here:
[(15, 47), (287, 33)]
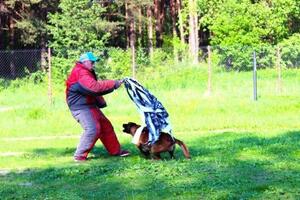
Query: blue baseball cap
[(88, 56)]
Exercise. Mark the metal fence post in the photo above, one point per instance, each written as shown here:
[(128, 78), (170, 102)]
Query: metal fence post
[(254, 77), (44, 56), (49, 77)]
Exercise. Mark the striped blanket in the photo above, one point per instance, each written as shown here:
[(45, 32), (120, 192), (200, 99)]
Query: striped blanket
[(152, 111)]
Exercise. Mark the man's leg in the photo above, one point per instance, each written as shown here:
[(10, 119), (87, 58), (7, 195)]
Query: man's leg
[(108, 136), (91, 128)]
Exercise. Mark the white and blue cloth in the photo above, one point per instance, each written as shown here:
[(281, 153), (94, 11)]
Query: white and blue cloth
[(152, 111)]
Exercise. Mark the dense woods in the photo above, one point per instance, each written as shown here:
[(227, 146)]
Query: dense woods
[(176, 26), (148, 23)]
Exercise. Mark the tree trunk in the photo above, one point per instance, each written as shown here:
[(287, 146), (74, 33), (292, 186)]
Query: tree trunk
[(193, 31), (126, 26), (132, 37), (159, 13), (2, 23), (140, 26), (50, 93), (196, 32), (180, 19), (174, 32), (11, 47), (150, 31)]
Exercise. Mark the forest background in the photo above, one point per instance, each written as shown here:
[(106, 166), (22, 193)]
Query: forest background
[(152, 32)]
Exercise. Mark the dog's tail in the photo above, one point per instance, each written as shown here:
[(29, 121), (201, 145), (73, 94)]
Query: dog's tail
[(184, 148)]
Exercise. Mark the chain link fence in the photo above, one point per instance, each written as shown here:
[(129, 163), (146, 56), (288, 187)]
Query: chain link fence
[(117, 62), (20, 63)]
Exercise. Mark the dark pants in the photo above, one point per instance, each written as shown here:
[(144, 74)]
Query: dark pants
[(96, 126)]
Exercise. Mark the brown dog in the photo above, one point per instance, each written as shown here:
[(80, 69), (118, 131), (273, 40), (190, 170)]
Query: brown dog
[(165, 142)]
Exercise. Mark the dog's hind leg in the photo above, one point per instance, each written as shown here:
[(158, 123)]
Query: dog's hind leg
[(144, 152), (171, 152)]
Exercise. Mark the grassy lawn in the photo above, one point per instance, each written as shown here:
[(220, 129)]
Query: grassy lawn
[(241, 149)]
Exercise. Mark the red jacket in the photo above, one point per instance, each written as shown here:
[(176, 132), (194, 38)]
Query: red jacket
[(84, 90)]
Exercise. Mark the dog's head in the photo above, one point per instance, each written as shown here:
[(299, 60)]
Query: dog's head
[(130, 128)]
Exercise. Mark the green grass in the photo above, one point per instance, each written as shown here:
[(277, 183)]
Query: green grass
[(241, 149)]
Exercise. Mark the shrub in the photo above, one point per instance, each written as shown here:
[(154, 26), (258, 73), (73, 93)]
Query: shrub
[(61, 68), (36, 77), (142, 57), (240, 58), (161, 57), (290, 52), (4, 83), (265, 56), (118, 64), (235, 57)]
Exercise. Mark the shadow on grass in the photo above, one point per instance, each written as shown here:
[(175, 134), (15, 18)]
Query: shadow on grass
[(223, 166), (54, 151), (97, 151)]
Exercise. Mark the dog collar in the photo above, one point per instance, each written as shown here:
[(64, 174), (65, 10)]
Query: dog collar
[(137, 135)]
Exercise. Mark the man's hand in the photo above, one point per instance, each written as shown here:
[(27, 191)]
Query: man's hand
[(118, 83)]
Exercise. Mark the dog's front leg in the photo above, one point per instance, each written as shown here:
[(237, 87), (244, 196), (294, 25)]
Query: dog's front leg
[(156, 156), (145, 153)]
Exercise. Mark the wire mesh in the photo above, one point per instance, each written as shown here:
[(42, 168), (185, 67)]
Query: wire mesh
[(19, 63)]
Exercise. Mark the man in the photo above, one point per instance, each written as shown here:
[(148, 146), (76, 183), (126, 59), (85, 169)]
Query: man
[(84, 98)]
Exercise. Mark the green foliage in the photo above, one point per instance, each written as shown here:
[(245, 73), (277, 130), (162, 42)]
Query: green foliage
[(31, 30), (242, 27), (246, 23), (241, 23), (142, 58), (180, 47), (235, 57), (265, 56), (36, 77), (173, 44), (288, 12), (118, 64), (240, 58), (290, 51), (161, 57), (207, 11), (61, 68), (4, 83), (77, 27), (28, 20)]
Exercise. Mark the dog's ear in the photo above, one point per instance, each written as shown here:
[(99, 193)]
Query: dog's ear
[(128, 124), (127, 127), (132, 124)]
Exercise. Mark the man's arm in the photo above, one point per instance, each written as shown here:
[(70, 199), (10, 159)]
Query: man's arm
[(90, 86)]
